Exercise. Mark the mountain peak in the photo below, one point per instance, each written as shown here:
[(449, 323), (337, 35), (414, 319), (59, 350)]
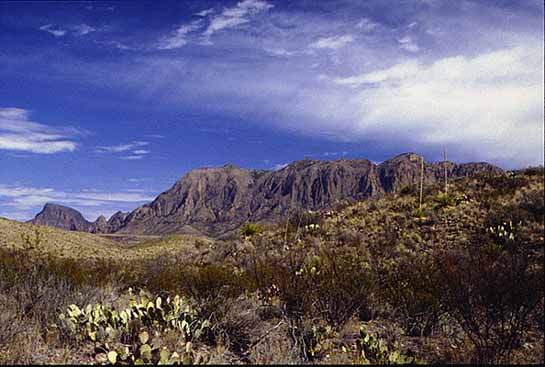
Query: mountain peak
[(60, 216)]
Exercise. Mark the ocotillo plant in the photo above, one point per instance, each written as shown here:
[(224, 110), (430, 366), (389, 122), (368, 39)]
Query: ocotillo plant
[(421, 181), (445, 164)]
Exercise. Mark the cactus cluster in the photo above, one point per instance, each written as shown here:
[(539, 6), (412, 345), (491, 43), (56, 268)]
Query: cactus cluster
[(312, 227), (104, 326), (319, 339), (504, 233), (373, 350), (142, 354), (312, 268)]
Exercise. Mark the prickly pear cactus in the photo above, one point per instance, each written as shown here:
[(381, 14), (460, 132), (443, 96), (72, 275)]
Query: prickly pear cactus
[(104, 326)]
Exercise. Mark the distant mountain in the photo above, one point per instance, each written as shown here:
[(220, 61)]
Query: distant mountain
[(55, 215), (214, 201)]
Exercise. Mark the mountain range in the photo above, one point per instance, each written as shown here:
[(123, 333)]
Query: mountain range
[(215, 201)]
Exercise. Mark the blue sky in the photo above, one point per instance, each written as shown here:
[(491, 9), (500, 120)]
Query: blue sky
[(103, 105)]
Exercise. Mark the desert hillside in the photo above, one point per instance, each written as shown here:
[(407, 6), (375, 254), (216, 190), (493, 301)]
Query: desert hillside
[(458, 278)]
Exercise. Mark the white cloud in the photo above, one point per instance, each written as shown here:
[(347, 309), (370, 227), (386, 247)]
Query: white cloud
[(366, 25), (408, 44), (234, 16), (334, 154), (83, 29), (118, 45), (334, 42), (490, 103), (132, 157), (281, 52), (141, 151), (179, 37), (55, 31), (205, 12), (397, 72), (121, 147), (18, 132)]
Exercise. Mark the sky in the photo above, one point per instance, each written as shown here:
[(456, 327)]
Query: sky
[(104, 105)]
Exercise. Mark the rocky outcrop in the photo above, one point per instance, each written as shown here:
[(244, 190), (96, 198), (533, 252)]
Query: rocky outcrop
[(99, 226), (116, 222), (213, 201)]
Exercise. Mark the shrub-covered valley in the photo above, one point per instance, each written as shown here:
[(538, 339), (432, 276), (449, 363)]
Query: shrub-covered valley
[(457, 278)]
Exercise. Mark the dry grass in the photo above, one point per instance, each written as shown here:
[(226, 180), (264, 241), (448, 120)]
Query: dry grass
[(83, 246)]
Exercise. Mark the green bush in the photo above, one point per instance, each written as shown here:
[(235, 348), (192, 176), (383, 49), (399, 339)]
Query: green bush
[(251, 229)]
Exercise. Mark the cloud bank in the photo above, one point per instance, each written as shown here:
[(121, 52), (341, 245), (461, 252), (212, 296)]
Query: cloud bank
[(19, 133)]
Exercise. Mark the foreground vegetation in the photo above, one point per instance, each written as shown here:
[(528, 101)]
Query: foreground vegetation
[(458, 280)]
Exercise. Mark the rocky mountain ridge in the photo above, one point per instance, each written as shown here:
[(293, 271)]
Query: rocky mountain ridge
[(60, 216), (213, 201)]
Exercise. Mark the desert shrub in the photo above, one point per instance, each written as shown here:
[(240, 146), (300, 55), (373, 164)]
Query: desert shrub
[(173, 274), (12, 322), (406, 189), (340, 286), (312, 338), (533, 202), (490, 289), (505, 184), (251, 229), (444, 200), (41, 286), (213, 281), (411, 286), (237, 324), (533, 171), (422, 216), (330, 286), (301, 221)]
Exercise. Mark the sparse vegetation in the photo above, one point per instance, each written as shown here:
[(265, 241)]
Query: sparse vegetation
[(459, 280)]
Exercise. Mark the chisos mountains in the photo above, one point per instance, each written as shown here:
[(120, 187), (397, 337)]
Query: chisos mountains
[(63, 217), (215, 201)]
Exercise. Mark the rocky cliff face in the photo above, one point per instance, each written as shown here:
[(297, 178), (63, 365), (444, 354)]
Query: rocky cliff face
[(213, 201), (216, 200)]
